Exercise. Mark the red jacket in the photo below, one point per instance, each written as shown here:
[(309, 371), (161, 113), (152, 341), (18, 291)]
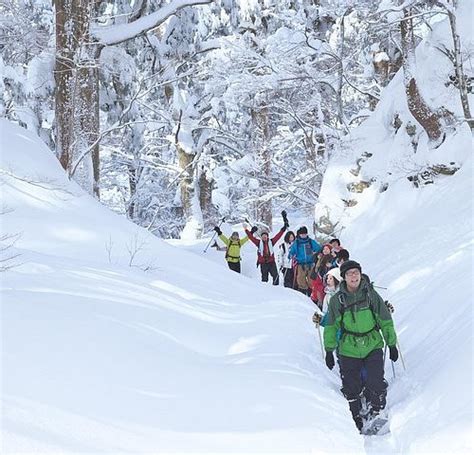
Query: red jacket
[(317, 290), (267, 258)]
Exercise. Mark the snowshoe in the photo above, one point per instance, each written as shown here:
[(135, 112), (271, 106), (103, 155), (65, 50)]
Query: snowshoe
[(376, 425)]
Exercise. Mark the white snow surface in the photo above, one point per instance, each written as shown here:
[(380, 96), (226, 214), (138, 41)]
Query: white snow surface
[(187, 356), (98, 356)]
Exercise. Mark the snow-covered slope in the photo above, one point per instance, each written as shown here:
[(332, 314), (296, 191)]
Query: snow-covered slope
[(186, 356), (390, 146), (417, 242), (100, 356)]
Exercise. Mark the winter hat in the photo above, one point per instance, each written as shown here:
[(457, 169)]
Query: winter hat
[(264, 232), (303, 230), (349, 265), (235, 234), (336, 273)]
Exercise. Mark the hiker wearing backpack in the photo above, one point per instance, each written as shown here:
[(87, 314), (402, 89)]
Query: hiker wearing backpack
[(364, 322), (265, 252), (303, 251), (233, 246), (286, 264)]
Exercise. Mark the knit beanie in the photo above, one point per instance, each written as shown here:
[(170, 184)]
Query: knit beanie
[(336, 273), (349, 265), (303, 230)]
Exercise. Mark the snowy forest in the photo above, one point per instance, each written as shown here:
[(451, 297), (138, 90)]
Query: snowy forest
[(140, 138), (178, 113)]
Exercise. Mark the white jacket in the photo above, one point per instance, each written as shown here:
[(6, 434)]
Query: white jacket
[(283, 259)]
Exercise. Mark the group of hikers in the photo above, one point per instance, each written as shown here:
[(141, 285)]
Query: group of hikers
[(357, 321)]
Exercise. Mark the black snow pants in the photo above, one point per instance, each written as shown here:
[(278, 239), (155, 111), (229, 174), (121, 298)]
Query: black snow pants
[(375, 390), (235, 266), (270, 268), (288, 277)]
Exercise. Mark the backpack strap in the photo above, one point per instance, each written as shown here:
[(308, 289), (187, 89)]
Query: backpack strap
[(227, 255), (351, 307)]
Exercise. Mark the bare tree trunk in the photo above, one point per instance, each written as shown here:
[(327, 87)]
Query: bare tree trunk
[(77, 91), (340, 84), (459, 69), (205, 192), (63, 74), (185, 164), (264, 205), (88, 114), (425, 116)]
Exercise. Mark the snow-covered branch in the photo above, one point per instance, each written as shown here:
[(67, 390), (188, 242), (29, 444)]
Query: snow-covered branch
[(116, 34)]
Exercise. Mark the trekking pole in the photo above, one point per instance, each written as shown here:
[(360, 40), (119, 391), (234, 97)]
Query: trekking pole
[(212, 238), (393, 370), (401, 356), (379, 287), (320, 340)]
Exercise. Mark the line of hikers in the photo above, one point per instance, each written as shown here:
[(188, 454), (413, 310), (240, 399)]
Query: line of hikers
[(357, 321), (301, 260)]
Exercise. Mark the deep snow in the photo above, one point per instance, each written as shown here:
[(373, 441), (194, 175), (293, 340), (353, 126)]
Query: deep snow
[(188, 356), (169, 351)]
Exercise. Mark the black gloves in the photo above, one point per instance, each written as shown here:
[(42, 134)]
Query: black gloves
[(254, 230), (329, 360), (285, 220), (389, 306), (218, 230), (393, 353)]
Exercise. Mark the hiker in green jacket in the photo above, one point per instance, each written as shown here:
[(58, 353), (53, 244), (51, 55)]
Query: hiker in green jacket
[(364, 321), (233, 244)]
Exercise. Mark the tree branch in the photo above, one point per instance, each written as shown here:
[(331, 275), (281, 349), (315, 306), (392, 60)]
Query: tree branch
[(115, 34)]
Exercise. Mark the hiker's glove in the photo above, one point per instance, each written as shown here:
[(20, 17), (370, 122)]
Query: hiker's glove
[(329, 360), (254, 230), (218, 230), (389, 306), (393, 353), (317, 318)]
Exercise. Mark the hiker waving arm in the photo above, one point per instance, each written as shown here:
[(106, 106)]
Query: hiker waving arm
[(278, 235), (224, 239), (251, 237)]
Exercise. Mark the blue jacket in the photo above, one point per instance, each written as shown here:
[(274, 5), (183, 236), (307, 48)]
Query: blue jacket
[(304, 250)]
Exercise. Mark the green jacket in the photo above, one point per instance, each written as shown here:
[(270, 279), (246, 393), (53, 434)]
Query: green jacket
[(366, 316), (233, 248)]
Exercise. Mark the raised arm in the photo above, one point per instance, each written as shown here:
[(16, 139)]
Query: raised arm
[(278, 236), (254, 240), (224, 239)]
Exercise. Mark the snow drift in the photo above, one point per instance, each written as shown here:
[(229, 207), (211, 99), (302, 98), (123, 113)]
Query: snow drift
[(186, 356)]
